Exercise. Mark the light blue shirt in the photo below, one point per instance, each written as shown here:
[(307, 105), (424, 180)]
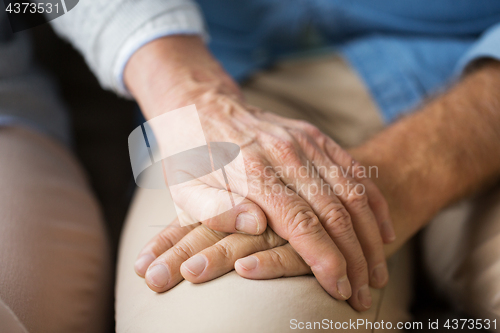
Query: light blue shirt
[(404, 50)]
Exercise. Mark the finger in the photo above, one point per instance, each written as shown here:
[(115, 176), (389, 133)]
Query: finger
[(375, 198), (361, 213), (220, 258), (353, 196), (362, 207), (246, 217), (219, 209), (159, 244), (273, 263), (368, 233), (331, 212), (293, 219), (337, 222), (282, 261), (380, 209), (341, 157), (164, 272)]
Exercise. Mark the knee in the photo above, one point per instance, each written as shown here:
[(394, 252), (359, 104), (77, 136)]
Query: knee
[(54, 252), (231, 304)]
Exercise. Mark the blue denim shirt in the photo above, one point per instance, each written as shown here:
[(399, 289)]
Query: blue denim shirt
[(404, 50)]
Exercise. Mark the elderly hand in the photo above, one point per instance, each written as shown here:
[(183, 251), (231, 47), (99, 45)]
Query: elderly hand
[(339, 234)]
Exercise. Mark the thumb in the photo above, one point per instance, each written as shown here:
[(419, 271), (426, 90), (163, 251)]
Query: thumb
[(218, 209), (246, 217)]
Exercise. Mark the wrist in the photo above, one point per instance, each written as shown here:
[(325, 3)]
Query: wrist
[(405, 183), (439, 154), (173, 72)]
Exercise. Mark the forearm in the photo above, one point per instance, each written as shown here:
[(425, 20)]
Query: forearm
[(446, 151), (174, 69)]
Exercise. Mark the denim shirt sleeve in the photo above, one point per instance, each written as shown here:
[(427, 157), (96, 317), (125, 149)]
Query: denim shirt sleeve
[(487, 46)]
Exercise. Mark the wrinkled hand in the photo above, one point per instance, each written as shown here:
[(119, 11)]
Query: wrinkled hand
[(338, 231)]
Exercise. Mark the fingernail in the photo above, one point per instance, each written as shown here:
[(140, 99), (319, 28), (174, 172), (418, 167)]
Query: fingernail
[(196, 265), (142, 263), (365, 297), (388, 231), (158, 275), (248, 263), (344, 287), (247, 222), (380, 275)]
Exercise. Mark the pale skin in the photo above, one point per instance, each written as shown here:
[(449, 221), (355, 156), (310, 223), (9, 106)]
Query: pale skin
[(338, 239)]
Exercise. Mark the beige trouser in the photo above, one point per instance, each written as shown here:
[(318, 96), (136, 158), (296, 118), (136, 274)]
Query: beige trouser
[(327, 93), (55, 269)]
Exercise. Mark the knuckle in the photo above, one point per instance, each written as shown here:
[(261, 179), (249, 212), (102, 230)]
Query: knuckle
[(163, 239), (277, 258), (321, 141), (299, 134), (338, 221), (336, 265), (182, 251), (312, 130), (271, 239), (285, 150), (334, 151), (254, 167), (304, 222), (281, 145), (357, 167), (224, 250), (359, 266), (306, 141), (356, 199)]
